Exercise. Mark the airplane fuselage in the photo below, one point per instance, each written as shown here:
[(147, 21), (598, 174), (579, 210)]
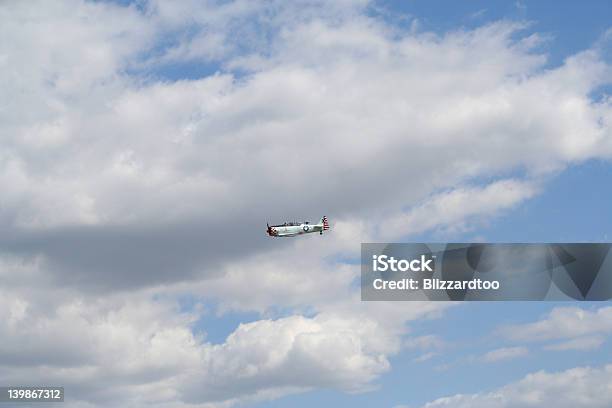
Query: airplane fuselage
[(292, 229)]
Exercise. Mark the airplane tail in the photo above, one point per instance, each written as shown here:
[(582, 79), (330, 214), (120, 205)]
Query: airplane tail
[(325, 223)]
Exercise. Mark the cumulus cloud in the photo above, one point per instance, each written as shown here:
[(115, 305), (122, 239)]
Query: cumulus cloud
[(98, 348), (91, 345), (576, 387), (293, 353)]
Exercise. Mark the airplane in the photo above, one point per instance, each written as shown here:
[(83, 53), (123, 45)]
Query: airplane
[(291, 229)]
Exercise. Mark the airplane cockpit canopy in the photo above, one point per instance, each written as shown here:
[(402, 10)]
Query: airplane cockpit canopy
[(291, 224)]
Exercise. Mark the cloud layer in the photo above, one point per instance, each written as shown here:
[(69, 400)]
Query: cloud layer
[(128, 183)]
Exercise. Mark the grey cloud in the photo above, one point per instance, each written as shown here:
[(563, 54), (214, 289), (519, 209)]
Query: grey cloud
[(130, 257)]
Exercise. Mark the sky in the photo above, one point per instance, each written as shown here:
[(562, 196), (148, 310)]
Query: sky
[(146, 144)]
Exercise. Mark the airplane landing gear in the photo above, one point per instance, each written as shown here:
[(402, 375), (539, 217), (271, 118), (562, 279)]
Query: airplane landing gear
[(320, 232)]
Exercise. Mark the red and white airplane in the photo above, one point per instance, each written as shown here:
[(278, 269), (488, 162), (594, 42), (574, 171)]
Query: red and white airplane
[(291, 229)]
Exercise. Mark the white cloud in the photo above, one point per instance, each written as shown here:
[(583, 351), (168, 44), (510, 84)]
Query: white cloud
[(295, 353), (425, 342), (581, 343), (504, 353), (454, 208), (97, 348), (563, 323), (361, 102), (575, 388), (134, 344), (425, 357)]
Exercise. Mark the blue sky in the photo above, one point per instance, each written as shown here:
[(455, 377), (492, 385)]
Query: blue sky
[(572, 26), (147, 144)]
